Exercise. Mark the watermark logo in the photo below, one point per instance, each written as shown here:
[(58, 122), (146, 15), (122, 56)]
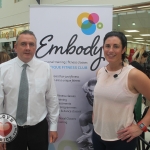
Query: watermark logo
[(8, 128), (89, 22)]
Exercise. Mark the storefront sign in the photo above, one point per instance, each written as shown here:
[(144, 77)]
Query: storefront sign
[(10, 34)]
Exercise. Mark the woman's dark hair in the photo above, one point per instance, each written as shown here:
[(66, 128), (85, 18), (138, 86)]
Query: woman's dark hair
[(122, 38), (145, 54), (139, 54)]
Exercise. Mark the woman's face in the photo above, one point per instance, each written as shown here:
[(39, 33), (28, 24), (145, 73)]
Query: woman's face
[(113, 49)]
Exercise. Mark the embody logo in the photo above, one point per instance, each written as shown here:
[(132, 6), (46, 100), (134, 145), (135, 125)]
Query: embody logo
[(88, 22), (8, 128)]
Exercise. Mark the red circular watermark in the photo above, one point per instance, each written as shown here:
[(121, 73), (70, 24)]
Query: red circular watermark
[(8, 128)]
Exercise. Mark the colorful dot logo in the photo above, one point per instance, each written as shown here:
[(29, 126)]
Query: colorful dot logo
[(88, 23)]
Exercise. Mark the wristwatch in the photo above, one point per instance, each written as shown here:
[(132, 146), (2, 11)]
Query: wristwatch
[(142, 126)]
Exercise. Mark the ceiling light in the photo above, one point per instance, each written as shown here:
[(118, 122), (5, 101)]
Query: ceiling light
[(128, 35), (122, 9), (133, 12), (135, 42), (131, 31), (4, 28), (13, 26), (138, 38), (118, 25), (144, 6), (148, 40), (140, 11), (144, 43), (114, 15), (122, 14), (129, 41), (133, 23), (144, 34)]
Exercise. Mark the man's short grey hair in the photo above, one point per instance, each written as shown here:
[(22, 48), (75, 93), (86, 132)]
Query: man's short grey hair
[(25, 32)]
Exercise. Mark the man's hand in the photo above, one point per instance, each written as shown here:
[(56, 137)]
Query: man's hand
[(2, 146), (129, 133), (52, 136)]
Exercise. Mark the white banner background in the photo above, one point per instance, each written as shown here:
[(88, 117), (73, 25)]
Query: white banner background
[(60, 27)]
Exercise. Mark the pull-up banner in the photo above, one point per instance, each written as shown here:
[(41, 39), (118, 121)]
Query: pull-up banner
[(70, 39)]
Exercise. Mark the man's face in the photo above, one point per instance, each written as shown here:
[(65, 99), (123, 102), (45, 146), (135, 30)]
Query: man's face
[(25, 47), (91, 91)]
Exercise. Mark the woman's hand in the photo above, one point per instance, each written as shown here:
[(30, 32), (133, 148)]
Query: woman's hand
[(129, 133)]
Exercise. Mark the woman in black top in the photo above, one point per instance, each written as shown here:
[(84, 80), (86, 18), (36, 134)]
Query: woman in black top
[(139, 58)]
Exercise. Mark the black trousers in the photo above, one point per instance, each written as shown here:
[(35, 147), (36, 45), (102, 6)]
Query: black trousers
[(34, 137), (100, 144)]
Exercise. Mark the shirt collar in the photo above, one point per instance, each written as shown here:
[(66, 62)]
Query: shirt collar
[(20, 62)]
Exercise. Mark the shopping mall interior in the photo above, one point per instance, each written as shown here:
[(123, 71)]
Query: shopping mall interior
[(133, 19)]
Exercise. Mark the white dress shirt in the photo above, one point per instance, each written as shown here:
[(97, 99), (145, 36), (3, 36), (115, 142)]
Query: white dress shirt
[(43, 100)]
